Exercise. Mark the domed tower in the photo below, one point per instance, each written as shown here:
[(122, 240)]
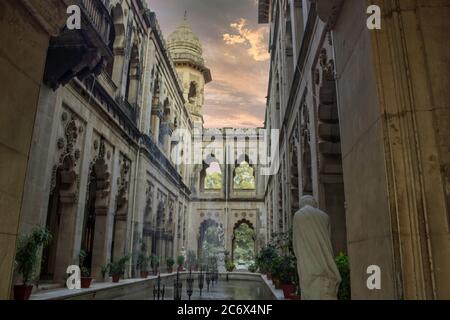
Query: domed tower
[(187, 53)]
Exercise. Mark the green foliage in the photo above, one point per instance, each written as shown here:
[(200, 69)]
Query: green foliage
[(211, 244), (284, 268), (230, 266), (244, 178), (81, 263), (213, 181), (104, 271), (343, 265), (282, 241), (118, 267), (154, 262), (142, 262), (266, 259), (170, 262), (28, 249), (253, 268), (180, 261), (244, 245)]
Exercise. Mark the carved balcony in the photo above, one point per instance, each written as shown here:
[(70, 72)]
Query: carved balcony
[(79, 53)]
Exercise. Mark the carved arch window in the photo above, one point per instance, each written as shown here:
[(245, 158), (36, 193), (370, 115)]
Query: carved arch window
[(244, 175)]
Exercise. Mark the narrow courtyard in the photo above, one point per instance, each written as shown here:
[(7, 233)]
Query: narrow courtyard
[(224, 150)]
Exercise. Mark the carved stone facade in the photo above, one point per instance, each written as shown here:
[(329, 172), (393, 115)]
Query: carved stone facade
[(101, 175), (362, 119), (23, 60)]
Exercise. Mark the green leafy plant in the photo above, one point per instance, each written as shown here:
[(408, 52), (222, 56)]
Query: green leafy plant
[(154, 263), (81, 263), (343, 265), (180, 261), (230, 266), (118, 267), (253, 268), (266, 259), (142, 262), (28, 249), (285, 269), (104, 271), (170, 262)]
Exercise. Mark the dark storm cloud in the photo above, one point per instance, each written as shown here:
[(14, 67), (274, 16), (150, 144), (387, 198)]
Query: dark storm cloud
[(235, 49)]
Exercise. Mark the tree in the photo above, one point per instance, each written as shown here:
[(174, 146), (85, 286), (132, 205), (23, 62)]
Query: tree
[(244, 178), (244, 245)]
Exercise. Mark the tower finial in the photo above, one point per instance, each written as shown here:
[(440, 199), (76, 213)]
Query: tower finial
[(185, 15)]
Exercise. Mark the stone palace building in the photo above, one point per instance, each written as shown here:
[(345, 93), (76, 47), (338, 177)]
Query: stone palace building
[(364, 122), (96, 164), (95, 121)]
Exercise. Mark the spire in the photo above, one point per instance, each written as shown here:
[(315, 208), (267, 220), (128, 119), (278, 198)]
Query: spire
[(185, 15)]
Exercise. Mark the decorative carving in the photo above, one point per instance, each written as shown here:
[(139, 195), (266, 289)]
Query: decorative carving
[(61, 143), (68, 158), (123, 189), (102, 178), (148, 204)]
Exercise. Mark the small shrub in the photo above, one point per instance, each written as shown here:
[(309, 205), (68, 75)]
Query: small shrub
[(28, 249), (343, 265)]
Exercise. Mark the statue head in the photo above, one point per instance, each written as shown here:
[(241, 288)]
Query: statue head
[(308, 201)]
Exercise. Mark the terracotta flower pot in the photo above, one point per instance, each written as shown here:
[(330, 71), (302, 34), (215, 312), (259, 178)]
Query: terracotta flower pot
[(22, 292), (170, 270), (288, 290), (295, 297), (86, 282), (144, 274), (180, 268), (116, 278)]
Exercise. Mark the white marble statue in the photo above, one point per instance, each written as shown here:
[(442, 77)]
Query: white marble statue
[(317, 270)]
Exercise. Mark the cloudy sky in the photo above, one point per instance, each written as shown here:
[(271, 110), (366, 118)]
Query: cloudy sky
[(235, 49)]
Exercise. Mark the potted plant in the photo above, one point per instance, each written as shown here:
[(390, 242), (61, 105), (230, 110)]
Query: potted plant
[(275, 271), (253, 268), (154, 264), (170, 262), (230, 266), (265, 260), (27, 259), (343, 265), (117, 268), (104, 271), (142, 265), (180, 262), (86, 278), (286, 275), (297, 293)]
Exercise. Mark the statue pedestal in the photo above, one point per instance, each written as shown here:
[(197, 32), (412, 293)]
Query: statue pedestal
[(221, 262)]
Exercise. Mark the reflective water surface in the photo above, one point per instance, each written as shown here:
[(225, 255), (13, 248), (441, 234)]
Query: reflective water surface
[(223, 290)]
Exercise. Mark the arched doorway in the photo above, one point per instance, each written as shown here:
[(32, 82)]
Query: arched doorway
[(87, 244), (52, 224), (243, 245), (95, 218), (61, 199), (210, 239)]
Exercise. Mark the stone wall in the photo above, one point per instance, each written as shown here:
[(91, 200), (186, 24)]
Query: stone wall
[(22, 61)]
